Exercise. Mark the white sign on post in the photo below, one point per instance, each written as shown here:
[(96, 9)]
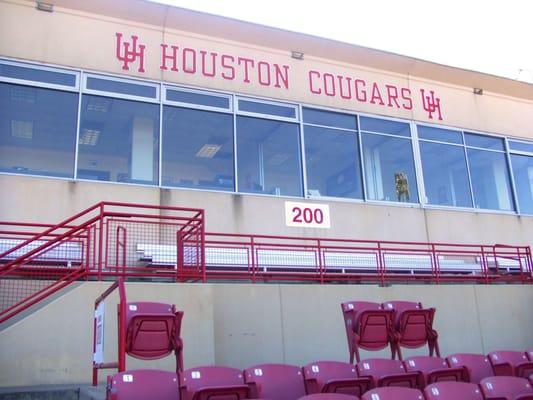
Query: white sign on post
[(307, 215), (99, 315)]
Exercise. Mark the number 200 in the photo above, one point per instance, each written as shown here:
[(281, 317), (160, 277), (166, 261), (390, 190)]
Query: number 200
[(307, 215)]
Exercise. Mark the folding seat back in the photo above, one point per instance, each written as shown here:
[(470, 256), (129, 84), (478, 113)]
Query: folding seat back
[(393, 393), (510, 363), (385, 372), (153, 331), (334, 377), (368, 326), (478, 365), (453, 391), (143, 384), (213, 383), (328, 396), (435, 369), (275, 381), (506, 387), (399, 306), (414, 329)]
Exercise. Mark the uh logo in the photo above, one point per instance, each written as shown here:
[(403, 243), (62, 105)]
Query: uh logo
[(129, 52), (431, 103)]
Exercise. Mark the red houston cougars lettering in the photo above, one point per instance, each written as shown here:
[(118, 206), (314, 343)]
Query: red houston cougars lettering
[(211, 64)]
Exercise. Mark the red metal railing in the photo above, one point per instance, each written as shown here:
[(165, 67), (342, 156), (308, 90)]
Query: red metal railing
[(112, 240)]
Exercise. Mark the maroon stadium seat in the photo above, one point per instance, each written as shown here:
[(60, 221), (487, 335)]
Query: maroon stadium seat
[(214, 383), (510, 363), (385, 372), (414, 326), (506, 387), (275, 381), (393, 393), (328, 396), (435, 369), (143, 384), (478, 365), (334, 377), (368, 326), (153, 331), (453, 391)]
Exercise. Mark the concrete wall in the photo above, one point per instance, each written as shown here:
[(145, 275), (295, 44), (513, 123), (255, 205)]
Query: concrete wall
[(241, 325)]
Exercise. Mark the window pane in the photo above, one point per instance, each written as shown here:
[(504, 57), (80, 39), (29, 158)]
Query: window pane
[(118, 140), (523, 178), (389, 169), (38, 75), (198, 98), (486, 142), (521, 146), (120, 87), (438, 134), (197, 149), (332, 162), (268, 157), (490, 180), (385, 126), (327, 118), (445, 175), (266, 108), (37, 130)]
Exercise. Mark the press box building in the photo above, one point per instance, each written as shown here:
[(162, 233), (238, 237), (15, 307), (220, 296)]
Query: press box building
[(271, 132)]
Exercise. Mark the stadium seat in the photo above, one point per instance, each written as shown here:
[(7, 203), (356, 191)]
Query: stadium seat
[(385, 372), (393, 393), (453, 391), (510, 363), (413, 326), (213, 383), (529, 353), (153, 331), (143, 384), (368, 326), (478, 365), (435, 369), (506, 387), (275, 381), (334, 377), (329, 396)]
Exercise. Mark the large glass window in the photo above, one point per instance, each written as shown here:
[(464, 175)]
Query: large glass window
[(332, 155), (37, 130), (445, 175), (118, 140), (268, 157), (522, 165), (388, 162), (197, 149)]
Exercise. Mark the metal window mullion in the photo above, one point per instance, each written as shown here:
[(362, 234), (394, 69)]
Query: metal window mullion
[(417, 155), (465, 150), (511, 175), (361, 160), (303, 163), (78, 127), (160, 175), (235, 151)]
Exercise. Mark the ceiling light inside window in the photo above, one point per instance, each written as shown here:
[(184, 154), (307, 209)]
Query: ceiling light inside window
[(208, 150), (97, 104), (23, 94), (89, 137), (22, 129), (278, 159)]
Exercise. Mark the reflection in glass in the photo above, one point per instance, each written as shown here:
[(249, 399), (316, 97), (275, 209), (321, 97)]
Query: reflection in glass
[(439, 134), (268, 157), (197, 149), (37, 130), (118, 140), (389, 169), (490, 180), (332, 162), (328, 118), (385, 126), (485, 142), (445, 175), (267, 108), (523, 178)]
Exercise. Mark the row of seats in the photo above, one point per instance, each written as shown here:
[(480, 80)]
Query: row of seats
[(374, 326), (288, 382)]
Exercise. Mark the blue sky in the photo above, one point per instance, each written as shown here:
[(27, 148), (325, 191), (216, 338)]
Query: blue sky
[(494, 37)]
